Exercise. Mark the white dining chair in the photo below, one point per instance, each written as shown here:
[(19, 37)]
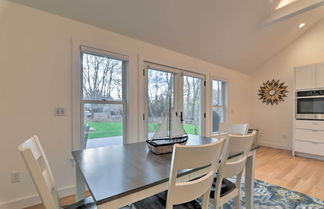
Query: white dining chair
[(183, 195), (237, 129), (223, 190), (38, 166)]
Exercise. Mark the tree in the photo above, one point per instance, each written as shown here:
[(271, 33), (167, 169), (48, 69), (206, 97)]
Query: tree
[(102, 77), (102, 80)]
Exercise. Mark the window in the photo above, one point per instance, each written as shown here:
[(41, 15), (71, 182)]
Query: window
[(102, 98), (219, 99)]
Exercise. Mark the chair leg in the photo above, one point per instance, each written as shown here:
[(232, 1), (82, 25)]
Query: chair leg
[(217, 205), (205, 200), (237, 201), (238, 185)]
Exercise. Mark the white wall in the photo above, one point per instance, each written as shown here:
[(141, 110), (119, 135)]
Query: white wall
[(276, 122), (35, 77)]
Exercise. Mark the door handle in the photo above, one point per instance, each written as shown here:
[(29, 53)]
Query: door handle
[(181, 117)]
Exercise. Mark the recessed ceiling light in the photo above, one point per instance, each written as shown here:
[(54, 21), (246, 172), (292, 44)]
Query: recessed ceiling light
[(301, 25)]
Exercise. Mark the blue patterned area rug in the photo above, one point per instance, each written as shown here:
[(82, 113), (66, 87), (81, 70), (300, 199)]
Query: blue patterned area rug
[(270, 196)]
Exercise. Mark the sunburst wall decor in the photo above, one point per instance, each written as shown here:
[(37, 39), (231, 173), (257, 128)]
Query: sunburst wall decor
[(272, 92)]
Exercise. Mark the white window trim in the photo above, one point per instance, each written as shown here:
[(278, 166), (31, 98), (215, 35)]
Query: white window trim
[(76, 142)]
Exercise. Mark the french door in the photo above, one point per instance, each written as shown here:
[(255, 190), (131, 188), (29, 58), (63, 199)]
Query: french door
[(169, 89)]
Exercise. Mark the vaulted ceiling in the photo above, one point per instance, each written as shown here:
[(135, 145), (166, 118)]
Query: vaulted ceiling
[(237, 34)]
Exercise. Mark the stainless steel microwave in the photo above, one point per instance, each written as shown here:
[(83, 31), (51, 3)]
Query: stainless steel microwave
[(310, 105)]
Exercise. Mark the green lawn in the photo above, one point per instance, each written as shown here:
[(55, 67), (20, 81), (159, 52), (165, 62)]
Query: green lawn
[(105, 129), (191, 129), (108, 129)]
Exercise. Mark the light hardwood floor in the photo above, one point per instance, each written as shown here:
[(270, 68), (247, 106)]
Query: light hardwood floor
[(278, 167), (300, 174)]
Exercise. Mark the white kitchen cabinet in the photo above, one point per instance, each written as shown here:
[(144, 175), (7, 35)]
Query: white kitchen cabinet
[(309, 134), (320, 75), (309, 76), (313, 148), (309, 137), (305, 77), (309, 124), (316, 136)]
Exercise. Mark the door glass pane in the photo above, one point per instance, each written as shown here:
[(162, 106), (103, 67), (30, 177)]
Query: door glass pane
[(102, 77), (219, 104), (218, 89), (218, 117), (103, 125), (160, 97), (192, 103)]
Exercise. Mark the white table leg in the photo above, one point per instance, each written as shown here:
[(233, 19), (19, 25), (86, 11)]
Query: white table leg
[(80, 185), (249, 180)]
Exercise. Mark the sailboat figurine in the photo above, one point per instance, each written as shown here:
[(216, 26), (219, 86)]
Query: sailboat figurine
[(169, 133)]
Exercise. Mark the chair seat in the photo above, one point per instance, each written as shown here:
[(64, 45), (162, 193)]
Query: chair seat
[(159, 202), (227, 187), (87, 203)]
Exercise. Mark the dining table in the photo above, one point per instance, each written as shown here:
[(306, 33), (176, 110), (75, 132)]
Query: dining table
[(119, 175)]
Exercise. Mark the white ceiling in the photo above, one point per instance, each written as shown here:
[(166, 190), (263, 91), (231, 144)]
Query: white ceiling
[(232, 33)]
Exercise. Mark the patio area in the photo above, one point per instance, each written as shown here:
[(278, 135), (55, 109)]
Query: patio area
[(105, 141)]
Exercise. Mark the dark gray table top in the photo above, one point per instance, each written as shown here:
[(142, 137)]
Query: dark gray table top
[(116, 171)]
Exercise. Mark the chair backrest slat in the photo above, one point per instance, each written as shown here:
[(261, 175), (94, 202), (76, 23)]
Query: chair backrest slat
[(233, 168), (37, 164), (191, 157), (187, 157), (239, 144), (239, 129)]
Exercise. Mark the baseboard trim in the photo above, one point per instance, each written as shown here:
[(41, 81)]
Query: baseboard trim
[(266, 144), (34, 199), (316, 157)]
